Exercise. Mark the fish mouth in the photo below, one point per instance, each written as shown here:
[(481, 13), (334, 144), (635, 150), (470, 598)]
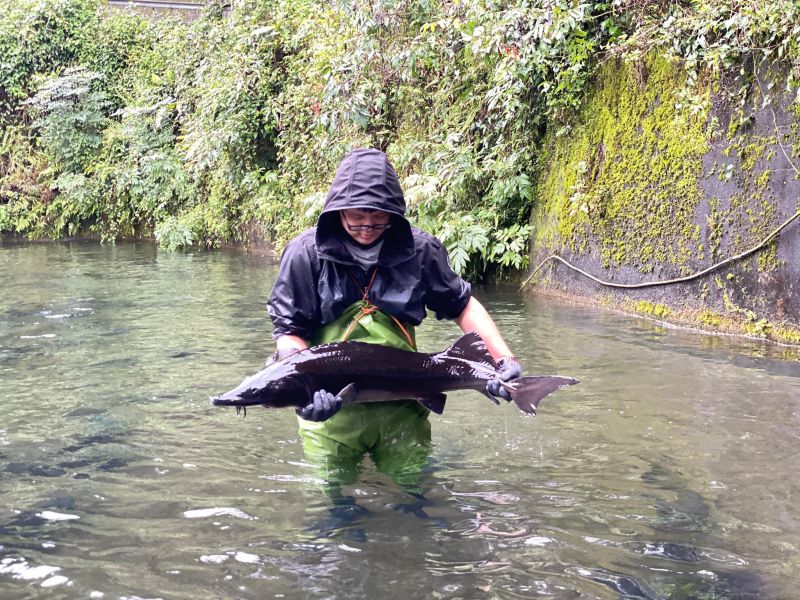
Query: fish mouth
[(232, 398), (238, 403), (222, 401)]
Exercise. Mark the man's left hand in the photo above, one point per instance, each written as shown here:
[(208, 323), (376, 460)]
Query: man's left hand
[(507, 369)]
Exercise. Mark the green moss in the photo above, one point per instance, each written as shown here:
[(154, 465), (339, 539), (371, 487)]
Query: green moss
[(626, 180), (759, 328), (762, 181), (637, 195), (751, 214), (708, 318), (787, 335), (746, 322), (661, 311)]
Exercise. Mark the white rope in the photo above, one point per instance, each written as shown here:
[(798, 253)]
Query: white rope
[(714, 267)]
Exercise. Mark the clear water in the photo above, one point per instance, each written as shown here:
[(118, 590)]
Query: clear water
[(669, 472)]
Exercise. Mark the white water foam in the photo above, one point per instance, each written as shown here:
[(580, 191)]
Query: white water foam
[(537, 541), (245, 557), (217, 511), (213, 558), (19, 568), (242, 557), (49, 515), (54, 581)]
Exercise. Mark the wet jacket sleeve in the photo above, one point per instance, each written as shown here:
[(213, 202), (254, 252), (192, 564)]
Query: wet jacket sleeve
[(293, 304), (447, 294)]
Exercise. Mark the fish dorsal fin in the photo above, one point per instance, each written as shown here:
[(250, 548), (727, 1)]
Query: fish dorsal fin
[(471, 347)]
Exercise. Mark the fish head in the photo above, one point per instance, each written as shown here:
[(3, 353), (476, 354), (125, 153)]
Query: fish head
[(277, 385)]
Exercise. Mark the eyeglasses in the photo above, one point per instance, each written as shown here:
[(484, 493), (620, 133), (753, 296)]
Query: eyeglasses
[(375, 227)]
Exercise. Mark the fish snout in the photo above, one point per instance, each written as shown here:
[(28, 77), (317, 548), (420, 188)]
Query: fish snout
[(224, 400)]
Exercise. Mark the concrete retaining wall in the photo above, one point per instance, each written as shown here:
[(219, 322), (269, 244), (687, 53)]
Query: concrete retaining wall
[(655, 181)]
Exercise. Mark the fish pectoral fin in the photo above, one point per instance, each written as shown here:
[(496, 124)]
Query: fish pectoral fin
[(348, 394), (433, 402)]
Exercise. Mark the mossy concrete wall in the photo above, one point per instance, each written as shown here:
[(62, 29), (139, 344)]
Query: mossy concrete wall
[(660, 178)]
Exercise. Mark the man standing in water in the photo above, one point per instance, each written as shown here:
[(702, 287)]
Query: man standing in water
[(363, 273)]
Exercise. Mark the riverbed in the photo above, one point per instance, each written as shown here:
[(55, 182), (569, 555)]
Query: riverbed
[(668, 472)]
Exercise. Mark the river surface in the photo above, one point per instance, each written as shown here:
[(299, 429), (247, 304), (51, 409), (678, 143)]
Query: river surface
[(671, 471)]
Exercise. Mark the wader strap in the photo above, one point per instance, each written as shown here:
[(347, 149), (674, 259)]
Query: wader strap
[(368, 308), (365, 291)]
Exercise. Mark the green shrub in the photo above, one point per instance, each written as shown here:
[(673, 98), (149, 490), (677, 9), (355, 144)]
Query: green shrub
[(69, 112), (141, 177), (112, 45), (38, 37), (171, 234)]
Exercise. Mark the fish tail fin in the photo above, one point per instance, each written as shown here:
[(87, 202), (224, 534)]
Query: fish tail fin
[(527, 392)]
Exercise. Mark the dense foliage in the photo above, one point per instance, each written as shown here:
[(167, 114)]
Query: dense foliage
[(205, 132)]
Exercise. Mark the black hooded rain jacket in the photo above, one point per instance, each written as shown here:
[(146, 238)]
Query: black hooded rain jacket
[(318, 278)]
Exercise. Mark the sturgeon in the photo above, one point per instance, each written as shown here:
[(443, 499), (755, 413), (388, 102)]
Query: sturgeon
[(363, 372)]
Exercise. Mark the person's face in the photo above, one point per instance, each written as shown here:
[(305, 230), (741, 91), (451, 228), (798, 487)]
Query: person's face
[(374, 223)]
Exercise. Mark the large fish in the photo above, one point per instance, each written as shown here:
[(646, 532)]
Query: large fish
[(362, 372)]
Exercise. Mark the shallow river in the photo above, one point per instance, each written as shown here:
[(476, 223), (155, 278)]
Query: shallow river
[(669, 472)]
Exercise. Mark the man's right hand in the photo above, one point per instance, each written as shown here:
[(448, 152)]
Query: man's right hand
[(508, 369), (286, 345), (279, 355), (322, 408)]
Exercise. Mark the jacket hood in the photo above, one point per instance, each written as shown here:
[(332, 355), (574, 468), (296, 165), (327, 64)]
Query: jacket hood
[(365, 179)]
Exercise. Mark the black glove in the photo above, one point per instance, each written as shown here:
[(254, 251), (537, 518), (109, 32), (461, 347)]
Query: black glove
[(322, 408), (507, 369)]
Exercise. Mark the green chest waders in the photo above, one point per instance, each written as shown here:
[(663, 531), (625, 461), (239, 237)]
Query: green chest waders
[(396, 434)]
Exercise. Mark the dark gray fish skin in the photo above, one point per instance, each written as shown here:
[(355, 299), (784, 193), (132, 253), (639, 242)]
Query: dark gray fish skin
[(362, 372)]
